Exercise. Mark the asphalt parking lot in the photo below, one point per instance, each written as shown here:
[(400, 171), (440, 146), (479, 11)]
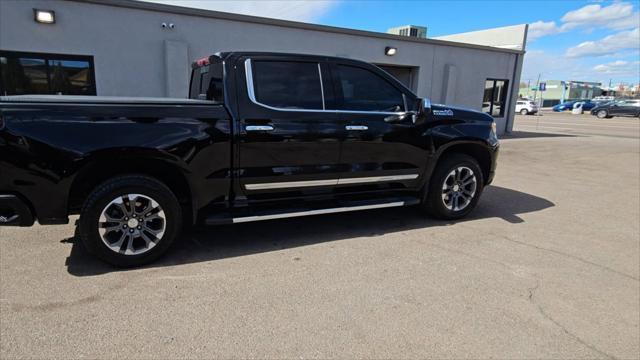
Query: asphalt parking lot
[(548, 266), (583, 124)]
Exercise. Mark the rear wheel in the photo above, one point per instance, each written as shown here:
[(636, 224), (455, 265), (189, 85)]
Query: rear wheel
[(455, 187), (130, 220), (602, 114), (524, 112)]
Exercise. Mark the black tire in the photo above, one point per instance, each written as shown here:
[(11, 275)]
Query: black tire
[(114, 188), (524, 112), (433, 201), (602, 114)]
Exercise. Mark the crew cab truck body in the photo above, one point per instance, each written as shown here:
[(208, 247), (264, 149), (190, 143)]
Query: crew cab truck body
[(263, 136)]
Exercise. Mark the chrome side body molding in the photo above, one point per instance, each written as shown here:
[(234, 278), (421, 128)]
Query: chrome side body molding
[(329, 182)]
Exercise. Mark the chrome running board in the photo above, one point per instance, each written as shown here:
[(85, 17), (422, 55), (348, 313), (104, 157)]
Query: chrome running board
[(316, 212), (309, 210)]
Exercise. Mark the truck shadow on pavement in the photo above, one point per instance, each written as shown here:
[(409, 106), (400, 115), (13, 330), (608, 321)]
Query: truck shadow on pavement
[(227, 241)]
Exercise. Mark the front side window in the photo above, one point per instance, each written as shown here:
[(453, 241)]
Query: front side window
[(362, 90), (27, 73), (288, 84), (495, 97)]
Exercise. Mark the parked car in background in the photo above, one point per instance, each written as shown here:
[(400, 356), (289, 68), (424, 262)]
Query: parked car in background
[(526, 107), (588, 104), (623, 107), (568, 105)]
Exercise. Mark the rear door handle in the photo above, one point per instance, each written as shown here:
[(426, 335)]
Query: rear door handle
[(357, 127), (259, 128)]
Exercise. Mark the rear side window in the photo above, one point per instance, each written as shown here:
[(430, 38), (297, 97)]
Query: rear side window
[(362, 90), (288, 84), (207, 83)]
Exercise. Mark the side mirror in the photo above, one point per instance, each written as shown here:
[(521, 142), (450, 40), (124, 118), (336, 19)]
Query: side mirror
[(424, 107)]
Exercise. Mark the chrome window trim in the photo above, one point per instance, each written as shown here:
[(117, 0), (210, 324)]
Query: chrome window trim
[(318, 212), (252, 96), (329, 182), (324, 107)]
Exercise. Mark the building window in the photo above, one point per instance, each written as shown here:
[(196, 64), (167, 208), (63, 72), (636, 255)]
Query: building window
[(36, 73), (495, 97), (289, 85)]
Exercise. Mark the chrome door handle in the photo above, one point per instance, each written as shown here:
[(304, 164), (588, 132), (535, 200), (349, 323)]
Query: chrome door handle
[(259, 128), (357, 127)]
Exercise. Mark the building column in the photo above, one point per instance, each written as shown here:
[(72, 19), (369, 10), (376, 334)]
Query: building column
[(176, 69)]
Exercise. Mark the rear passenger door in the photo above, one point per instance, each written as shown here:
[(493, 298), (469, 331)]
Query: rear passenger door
[(288, 144), (383, 149)]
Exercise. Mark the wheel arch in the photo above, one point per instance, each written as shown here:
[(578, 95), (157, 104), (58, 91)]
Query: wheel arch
[(105, 165), (478, 150)]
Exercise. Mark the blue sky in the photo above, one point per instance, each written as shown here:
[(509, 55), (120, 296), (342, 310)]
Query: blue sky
[(568, 40)]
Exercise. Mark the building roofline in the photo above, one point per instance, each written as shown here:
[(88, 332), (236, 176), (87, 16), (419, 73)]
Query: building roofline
[(181, 10)]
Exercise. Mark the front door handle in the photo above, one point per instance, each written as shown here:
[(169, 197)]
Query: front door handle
[(357, 127), (259, 128)]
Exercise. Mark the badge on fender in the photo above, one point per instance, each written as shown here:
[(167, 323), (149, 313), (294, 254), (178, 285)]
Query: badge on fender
[(446, 112)]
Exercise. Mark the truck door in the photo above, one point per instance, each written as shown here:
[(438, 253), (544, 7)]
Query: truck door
[(289, 145), (383, 149)]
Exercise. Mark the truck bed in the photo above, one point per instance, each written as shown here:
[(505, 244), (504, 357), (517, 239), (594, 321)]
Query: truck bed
[(83, 99)]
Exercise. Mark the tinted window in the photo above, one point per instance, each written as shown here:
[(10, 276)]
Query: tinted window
[(495, 97), (26, 73), (286, 84), (362, 90), (207, 83)]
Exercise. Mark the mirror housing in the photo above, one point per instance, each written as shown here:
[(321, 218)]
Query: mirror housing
[(424, 107)]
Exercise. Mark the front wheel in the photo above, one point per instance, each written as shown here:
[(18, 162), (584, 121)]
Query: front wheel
[(602, 114), (455, 187), (524, 112), (130, 220)]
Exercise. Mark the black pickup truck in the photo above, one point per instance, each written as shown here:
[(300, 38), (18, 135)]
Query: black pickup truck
[(263, 136)]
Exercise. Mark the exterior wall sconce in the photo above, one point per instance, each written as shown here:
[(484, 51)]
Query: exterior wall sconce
[(390, 51), (44, 16)]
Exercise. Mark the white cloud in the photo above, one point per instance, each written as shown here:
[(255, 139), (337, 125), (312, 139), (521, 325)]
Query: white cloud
[(617, 16), (296, 10), (552, 66), (541, 28), (608, 45), (620, 68)]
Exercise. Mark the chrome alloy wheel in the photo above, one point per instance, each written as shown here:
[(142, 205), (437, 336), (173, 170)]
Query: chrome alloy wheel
[(459, 188), (132, 224)]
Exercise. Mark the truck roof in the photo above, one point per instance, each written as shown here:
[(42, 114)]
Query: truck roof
[(224, 55)]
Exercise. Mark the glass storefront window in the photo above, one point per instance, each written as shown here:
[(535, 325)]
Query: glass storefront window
[(495, 97), (32, 73)]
